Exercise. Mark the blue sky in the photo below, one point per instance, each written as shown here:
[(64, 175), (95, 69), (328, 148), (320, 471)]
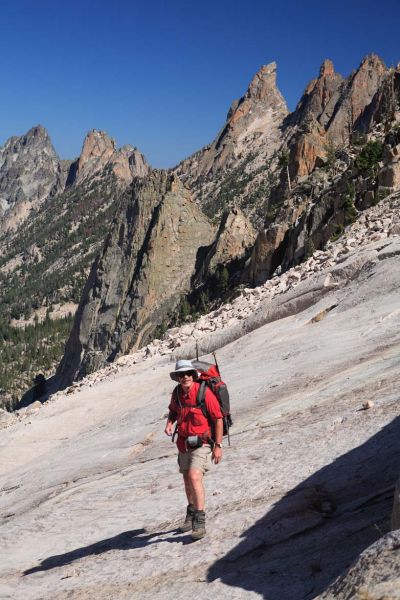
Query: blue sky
[(161, 75)]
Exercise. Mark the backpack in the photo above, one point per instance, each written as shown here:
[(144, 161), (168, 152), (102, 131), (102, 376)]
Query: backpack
[(210, 376)]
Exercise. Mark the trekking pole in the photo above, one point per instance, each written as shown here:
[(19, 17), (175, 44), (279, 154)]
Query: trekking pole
[(216, 363), (226, 422), (197, 350)]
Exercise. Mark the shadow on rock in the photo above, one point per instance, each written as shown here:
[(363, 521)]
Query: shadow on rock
[(316, 530), (128, 540)]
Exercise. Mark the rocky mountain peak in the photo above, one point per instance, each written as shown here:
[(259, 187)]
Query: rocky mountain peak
[(372, 62), (261, 94), (320, 92), (330, 109), (360, 89), (250, 136), (365, 81), (96, 143), (29, 168), (263, 83), (100, 150), (36, 136), (38, 132), (97, 149), (326, 68)]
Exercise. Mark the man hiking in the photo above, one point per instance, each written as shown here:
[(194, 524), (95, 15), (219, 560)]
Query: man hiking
[(199, 440)]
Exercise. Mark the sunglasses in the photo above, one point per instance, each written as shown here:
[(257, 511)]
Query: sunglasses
[(188, 373)]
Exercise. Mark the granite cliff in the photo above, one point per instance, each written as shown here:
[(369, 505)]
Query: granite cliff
[(160, 249), (146, 265)]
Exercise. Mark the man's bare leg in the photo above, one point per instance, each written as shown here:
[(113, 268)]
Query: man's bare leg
[(194, 488), (188, 490)]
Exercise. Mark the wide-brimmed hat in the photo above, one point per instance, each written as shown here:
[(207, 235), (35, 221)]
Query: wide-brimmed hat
[(183, 366)]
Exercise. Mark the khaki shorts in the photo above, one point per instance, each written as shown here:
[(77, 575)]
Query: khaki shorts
[(199, 458)]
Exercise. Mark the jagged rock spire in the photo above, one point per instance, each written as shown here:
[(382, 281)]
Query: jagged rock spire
[(252, 127), (360, 89), (29, 168), (319, 93), (100, 150), (326, 68), (330, 109), (263, 84), (262, 92)]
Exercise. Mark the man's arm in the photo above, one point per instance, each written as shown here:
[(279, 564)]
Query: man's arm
[(215, 414), (217, 452), (169, 426)]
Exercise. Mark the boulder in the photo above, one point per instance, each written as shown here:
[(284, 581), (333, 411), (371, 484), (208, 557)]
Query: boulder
[(375, 575), (389, 176)]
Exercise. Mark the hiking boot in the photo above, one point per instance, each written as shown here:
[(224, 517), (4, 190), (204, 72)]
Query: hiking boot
[(188, 522), (199, 525)]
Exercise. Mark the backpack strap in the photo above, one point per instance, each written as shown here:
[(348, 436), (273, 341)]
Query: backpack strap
[(175, 395), (200, 403), (201, 395), (200, 400)]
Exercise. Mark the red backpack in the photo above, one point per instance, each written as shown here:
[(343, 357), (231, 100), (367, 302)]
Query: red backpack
[(210, 376)]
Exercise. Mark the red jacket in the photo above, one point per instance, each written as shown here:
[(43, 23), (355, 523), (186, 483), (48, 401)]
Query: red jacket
[(189, 417)]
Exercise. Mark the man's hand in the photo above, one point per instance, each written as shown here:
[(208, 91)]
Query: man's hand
[(217, 454), (169, 428)]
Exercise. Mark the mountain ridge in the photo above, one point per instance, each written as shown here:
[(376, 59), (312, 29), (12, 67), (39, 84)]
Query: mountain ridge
[(278, 178)]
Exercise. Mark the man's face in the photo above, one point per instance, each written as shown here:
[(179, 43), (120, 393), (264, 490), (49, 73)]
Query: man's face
[(186, 380)]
